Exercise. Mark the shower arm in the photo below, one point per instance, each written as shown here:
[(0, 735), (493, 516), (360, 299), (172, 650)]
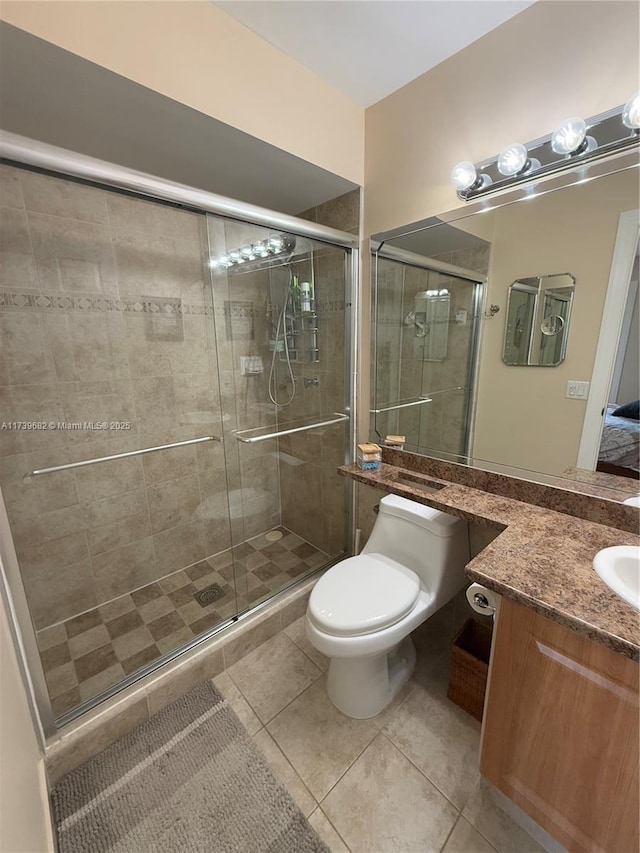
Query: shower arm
[(27, 477)]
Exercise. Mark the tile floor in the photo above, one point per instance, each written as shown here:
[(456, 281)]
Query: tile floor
[(407, 780), (91, 652)]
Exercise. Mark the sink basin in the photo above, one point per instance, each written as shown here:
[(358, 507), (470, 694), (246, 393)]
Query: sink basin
[(619, 568)]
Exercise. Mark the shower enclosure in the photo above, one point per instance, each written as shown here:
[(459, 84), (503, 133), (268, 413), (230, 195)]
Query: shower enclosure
[(175, 401), (424, 352)]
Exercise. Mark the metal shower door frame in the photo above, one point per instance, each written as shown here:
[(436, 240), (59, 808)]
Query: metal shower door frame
[(21, 152)]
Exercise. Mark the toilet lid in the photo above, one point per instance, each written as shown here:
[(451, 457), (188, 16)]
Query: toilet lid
[(363, 594)]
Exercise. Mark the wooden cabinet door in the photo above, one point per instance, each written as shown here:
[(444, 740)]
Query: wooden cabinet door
[(561, 732)]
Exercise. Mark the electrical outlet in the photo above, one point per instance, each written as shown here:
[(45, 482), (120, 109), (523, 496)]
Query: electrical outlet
[(577, 389)]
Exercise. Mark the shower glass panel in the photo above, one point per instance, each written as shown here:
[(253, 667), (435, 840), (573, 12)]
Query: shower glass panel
[(108, 349), (425, 328), (279, 308)]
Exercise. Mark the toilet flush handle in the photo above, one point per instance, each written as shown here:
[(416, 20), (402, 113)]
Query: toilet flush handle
[(482, 601)]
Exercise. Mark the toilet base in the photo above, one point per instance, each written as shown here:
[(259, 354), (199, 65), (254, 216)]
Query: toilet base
[(362, 687)]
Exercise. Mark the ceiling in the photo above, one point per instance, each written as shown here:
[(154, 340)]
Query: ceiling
[(369, 48)]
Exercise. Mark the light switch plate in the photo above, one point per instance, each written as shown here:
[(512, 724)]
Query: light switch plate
[(577, 389)]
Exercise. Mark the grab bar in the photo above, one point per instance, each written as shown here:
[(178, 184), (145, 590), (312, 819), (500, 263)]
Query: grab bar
[(27, 477), (340, 417), (419, 402)]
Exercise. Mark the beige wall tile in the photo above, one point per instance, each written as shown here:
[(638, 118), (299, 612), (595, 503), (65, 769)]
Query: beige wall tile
[(30, 403), (10, 190), (54, 596), (73, 256), (110, 478), (25, 357), (17, 265), (88, 346), (173, 502), (202, 667), (246, 638), (119, 571), (59, 197), (179, 546), (72, 750)]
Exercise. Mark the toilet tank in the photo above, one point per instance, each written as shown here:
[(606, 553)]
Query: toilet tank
[(431, 543)]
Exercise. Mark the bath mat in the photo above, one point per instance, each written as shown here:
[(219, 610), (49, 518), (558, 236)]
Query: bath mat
[(188, 780)]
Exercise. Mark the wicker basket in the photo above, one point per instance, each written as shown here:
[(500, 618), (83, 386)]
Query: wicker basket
[(470, 650)]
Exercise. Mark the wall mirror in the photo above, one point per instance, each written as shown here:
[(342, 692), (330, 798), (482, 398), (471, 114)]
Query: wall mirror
[(537, 324), (479, 402)]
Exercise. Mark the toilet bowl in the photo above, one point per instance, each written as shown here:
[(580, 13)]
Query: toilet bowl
[(363, 609)]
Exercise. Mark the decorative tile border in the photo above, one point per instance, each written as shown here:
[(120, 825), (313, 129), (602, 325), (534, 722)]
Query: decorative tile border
[(66, 302)]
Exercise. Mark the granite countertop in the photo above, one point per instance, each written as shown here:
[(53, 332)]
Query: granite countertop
[(540, 558)]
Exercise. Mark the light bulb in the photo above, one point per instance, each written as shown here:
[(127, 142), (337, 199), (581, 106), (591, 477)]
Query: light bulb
[(464, 176), (247, 252), (234, 256), (631, 113), (513, 159), (570, 137), (260, 249), (224, 261), (276, 243)]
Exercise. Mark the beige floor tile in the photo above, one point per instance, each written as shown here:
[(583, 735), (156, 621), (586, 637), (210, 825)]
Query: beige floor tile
[(102, 681), (61, 679), (326, 830), (117, 607), (273, 675), (175, 640), (466, 839), (318, 740), (52, 636), (234, 697), (383, 804), (442, 740), (285, 772), (484, 812), (296, 632), (129, 644), (86, 642)]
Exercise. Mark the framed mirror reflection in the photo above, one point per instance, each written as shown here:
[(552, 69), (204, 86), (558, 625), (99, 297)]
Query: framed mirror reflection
[(480, 402)]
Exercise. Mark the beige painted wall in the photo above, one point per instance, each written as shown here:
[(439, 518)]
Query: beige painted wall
[(24, 810), (523, 418), (553, 60), (198, 55)]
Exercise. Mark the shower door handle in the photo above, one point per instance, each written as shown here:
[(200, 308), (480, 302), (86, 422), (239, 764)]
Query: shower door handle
[(338, 418)]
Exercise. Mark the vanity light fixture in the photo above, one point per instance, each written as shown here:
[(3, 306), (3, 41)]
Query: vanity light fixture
[(275, 245), (464, 177), (514, 160), (570, 137), (631, 113), (570, 143)]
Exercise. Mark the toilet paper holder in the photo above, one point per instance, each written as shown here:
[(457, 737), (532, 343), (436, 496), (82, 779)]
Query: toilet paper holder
[(482, 601)]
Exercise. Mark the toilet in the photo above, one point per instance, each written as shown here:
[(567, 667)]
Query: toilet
[(363, 609)]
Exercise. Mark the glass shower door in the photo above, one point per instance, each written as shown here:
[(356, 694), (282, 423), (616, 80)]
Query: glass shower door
[(114, 485), (425, 333), (281, 320)]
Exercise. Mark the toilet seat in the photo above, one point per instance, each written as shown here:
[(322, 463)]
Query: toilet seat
[(362, 595)]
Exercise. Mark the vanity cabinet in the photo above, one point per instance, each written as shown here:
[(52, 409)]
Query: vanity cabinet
[(560, 734)]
